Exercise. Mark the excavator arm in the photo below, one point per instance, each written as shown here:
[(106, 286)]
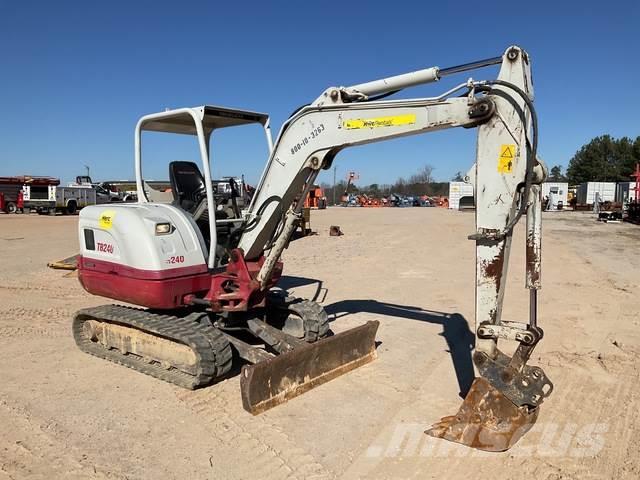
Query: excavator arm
[(503, 402)]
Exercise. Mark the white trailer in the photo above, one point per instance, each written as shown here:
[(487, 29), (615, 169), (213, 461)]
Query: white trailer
[(557, 193), (587, 192), (625, 192), (458, 190)]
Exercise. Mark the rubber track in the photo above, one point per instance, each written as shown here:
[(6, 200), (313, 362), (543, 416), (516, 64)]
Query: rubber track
[(213, 352), (314, 317)]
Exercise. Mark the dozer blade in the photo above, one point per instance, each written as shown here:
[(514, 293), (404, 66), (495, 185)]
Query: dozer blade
[(272, 382), (487, 420)]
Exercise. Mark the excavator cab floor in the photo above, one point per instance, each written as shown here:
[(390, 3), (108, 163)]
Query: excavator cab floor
[(487, 420)]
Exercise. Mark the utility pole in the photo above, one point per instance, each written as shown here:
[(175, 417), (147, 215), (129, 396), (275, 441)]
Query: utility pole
[(334, 184)]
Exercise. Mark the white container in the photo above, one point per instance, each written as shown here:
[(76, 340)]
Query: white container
[(625, 192), (457, 190), (587, 192), (557, 193)]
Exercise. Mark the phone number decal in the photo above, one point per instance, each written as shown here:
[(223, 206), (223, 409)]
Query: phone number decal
[(315, 133)]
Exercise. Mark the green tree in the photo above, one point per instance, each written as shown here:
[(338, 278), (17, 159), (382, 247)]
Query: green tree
[(458, 177), (604, 159), (555, 175)]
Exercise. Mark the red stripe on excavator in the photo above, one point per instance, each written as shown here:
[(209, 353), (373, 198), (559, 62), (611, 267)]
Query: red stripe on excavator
[(147, 288)]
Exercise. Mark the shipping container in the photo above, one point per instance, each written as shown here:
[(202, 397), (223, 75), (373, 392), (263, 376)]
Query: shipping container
[(625, 192), (587, 192), (458, 190), (557, 193)]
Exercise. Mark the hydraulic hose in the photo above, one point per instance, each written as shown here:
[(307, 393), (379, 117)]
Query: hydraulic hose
[(531, 146)]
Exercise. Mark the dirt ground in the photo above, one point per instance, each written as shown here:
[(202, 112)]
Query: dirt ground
[(64, 414)]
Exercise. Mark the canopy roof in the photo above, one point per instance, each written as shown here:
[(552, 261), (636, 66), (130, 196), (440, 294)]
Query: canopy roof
[(213, 117)]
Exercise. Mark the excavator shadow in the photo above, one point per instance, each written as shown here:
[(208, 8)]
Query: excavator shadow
[(455, 330), (288, 282)]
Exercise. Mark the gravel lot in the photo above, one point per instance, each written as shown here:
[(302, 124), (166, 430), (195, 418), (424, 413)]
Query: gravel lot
[(64, 414)]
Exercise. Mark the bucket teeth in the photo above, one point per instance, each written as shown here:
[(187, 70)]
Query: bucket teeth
[(487, 420)]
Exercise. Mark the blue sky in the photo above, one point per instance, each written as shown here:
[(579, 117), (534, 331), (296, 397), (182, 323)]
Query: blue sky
[(75, 76)]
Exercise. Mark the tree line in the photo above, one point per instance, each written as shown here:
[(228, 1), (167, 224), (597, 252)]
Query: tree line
[(420, 183), (603, 159)]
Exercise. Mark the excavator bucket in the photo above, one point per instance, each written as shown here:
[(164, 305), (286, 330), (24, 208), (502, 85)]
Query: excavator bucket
[(487, 420), (272, 382)]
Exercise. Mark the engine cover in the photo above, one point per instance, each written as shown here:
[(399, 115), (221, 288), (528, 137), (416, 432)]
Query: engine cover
[(123, 257)]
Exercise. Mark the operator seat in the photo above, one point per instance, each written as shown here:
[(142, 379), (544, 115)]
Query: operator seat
[(187, 185), (189, 194)]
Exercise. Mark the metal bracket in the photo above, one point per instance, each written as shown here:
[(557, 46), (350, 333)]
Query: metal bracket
[(515, 331), (490, 234), (528, 385), (276, 339)]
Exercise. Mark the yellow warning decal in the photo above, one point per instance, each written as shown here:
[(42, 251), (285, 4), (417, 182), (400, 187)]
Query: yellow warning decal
[(106, 219), (394, 121), (507, 158)]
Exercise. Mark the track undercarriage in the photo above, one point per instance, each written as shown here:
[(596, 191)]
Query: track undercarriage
[(279, 344)]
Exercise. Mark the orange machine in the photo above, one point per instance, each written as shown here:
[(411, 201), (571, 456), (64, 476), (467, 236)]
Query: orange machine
[(367, 201), (316, 198)]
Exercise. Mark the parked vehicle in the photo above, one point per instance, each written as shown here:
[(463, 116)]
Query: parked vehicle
[(104, 191), (67, 200), (12, 188)]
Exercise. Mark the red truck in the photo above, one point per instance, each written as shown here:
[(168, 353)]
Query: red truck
[(11, 190)]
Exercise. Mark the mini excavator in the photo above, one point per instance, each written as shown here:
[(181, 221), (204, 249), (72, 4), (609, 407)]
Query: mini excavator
[(205, 279)]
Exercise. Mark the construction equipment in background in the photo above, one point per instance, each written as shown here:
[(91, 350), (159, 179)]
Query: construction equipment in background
[(346, 199), (555, 196), (439, 201), (365, 200), (305, 222), (636, 176), (632, 203), (316, 198), (460, 195), (610, 216), (208, 284), (633, 212)]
